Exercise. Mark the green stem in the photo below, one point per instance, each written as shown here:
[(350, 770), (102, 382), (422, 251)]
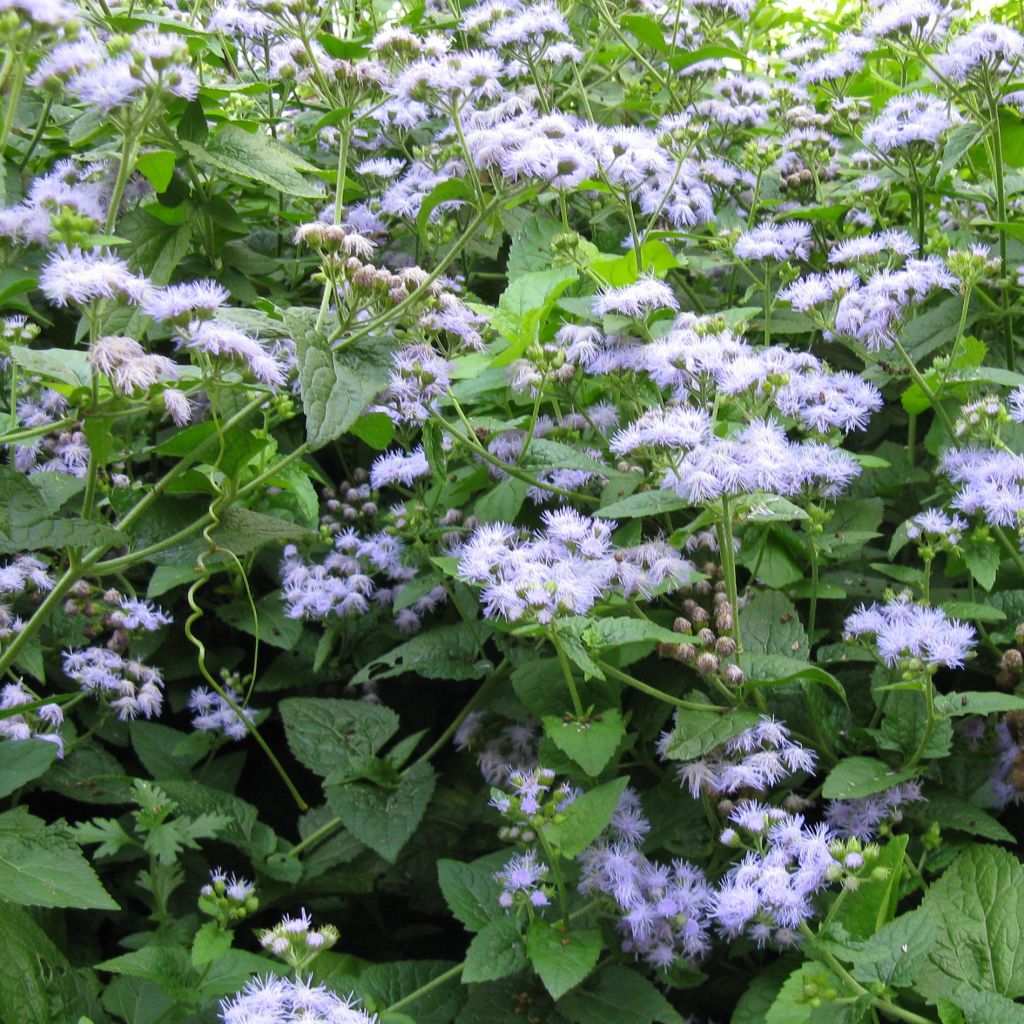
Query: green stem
[(933, 400), (1012, 550), (567, 673), (813, 611), (12, 104), (339, 205), (928, 692), (657, 694), (728, 553), (322, 832), (129, 150)]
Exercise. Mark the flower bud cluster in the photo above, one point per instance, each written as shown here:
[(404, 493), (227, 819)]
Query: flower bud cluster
[(228, 898), (295, 941)]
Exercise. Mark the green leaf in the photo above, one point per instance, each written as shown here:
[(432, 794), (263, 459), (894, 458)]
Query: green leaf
[(770, 624), (27, 524), (66, 365), (621, 996), (973, 610), (646, 30), (470, 891), (956, 705), (792, 1006), (535, 290), (953, 813), (42, 866), (254, 157), (980, 902), (562, 959), (698, 732), (531, 246), (590, 744), (495, 952), (22, 761), (336, 385), (244, 531), (502, 502), (37, 983), (157, 166), (982, 561), (209, 944), (384, 820), (377, 429), (382, 985), (856, 777), (272, 623), (643, 503), (445, 652), (447, 191), (585, 818), (325, 733), (616, 631), (766, 670), (895, 954)]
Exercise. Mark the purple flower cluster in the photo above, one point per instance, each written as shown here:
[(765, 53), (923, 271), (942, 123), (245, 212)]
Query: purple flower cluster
[(563, 569), (769, 893), (902, 629), (275, 1000), (128, 686), (523, 881), (990, 483), (419, 377), (42, 723), (933, 526), (756, 759), (862, 818), (663, 908), (914, 119), (212, 713), (774, 243)]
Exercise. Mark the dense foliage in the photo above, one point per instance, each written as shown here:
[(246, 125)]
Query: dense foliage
[(511, 512)]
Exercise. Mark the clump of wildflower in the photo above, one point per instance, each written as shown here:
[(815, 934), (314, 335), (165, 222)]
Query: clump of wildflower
[(228, 898), (774, 243), (662, 908), (769, 893), (523, 882), (935, 528), (991, 483), (563, 569), (128, 686), (914, 120), (756, 759), (212, 713), (419, 377), (636, 300), (275, 1000), (864, 817), (295, 941), (73, 276), (902, 629), (42, 723)]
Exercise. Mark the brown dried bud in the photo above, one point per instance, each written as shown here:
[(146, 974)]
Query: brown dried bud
[(681, 625), (706, 636), (1013, 660)]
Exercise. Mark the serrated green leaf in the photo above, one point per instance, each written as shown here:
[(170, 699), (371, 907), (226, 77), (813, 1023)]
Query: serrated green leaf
[(590, 744), (445, 652), (873, 903), (855, 777), (382, 985), (562, 959), (496, 952), (324, 733), (770, 624), (336, 385), (470, 891), (956, 705), (42, 866), (621, 996), (22, 761), (585, 818), (254, 157), (698, 732), (384, 819), (644, 503)]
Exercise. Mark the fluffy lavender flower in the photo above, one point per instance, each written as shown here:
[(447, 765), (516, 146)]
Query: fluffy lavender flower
[(212, 713), (134, 613), (131, 688), (42, 723), (894, 242), (418, 379), (223, 341), (663, 908), (672, 427), (71, 275), (768, 894), (990, 46), (822, 401), (873, 313), (902, 629), (636, 300), (934, 526), (1016, 404), (181, 303), (908, 120), (775, 243), (128, 365), (920, 19), (24, 573), (522, 880), (564, 569), (398, 467), (862, 817), (991, 483), (758, 759), (274, 1000)]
